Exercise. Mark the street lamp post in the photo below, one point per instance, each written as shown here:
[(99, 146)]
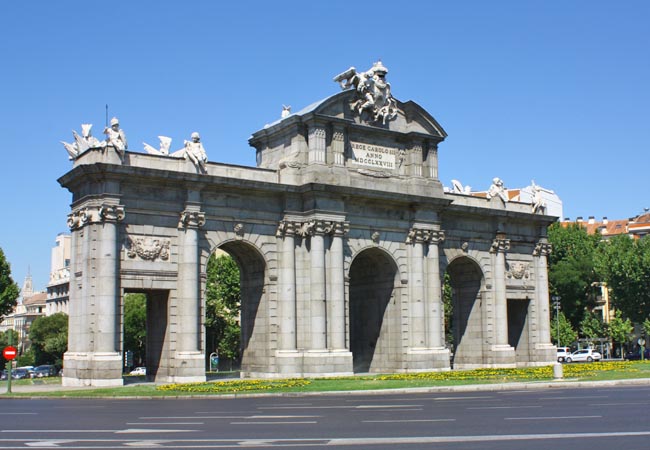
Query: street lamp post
[(556, 303)]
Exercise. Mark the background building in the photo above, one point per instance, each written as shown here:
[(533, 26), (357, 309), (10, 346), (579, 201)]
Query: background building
[(59, 285)]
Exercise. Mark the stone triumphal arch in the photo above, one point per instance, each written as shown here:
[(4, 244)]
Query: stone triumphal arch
[(343, 234)]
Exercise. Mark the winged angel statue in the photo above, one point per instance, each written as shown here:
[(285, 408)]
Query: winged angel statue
[(373, 91)]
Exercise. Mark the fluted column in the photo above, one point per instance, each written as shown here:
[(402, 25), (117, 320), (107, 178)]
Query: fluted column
[(540, 254), (188, 295), (417, 238), (317, 145), (287, 294), (435, 305), (338, 146), (499, 247), (108, 296), (337, 283), (317, 288)]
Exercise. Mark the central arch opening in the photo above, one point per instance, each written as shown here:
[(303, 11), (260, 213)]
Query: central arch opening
[(466, 280), (243, 307), (374, 331)]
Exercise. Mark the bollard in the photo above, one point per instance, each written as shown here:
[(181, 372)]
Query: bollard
[(558, 371)]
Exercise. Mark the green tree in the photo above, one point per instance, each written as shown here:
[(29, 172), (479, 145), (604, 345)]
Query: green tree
[(135, 326), (592, 326), (448, 302), (9, 291), (222, 305), (567, 334), (624, 263), (571, 269), (49, 336), (619, 330), (646, 327)]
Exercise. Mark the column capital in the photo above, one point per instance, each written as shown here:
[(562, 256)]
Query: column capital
[(500, 245), (191, 219), (287, 228), (543, 249), (321, 227), (111, 213), (424, 235), (105, 212)]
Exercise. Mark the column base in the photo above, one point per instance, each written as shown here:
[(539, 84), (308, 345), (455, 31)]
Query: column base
[(92, 369), (185, 367), (311, 363), (502, 356), (543, 355), (427, 360)]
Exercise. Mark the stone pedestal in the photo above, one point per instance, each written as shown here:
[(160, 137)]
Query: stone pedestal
[(92, 369)]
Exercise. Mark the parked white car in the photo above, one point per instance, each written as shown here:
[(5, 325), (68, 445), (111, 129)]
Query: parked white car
[(587, 355), (139, 371), (562, 353)]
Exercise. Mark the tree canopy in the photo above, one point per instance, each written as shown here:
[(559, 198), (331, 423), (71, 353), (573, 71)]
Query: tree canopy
[(49, 336), (222, 304), (571, 268), (9, 291), (135, 326), (624, 264)]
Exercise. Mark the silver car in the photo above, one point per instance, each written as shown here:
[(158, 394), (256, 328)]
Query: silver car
[(587, 355)]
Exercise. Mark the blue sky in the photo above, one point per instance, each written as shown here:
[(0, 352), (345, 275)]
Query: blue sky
[(556, 91)]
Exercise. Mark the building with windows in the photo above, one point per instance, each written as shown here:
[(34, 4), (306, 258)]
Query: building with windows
[(635, 227), (59, 284)]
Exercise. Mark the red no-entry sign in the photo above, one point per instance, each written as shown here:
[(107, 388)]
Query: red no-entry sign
[(9, 352)]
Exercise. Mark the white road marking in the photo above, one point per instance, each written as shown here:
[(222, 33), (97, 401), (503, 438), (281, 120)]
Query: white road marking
[(553, 418), (385, 406), (144, 444), (226, 417), (505, 407), (152, 430), (275, 423), (165, 423), (575, 398), (619, 404), (358, 441), (407, 420)]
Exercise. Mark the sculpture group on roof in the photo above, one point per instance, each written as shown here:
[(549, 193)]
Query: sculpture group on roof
[(116, 139), (373, 92)]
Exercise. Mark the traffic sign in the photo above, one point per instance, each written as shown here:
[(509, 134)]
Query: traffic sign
[(9, 352)]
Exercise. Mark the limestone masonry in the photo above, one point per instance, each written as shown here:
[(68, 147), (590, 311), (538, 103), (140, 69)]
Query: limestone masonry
[(343, 233)]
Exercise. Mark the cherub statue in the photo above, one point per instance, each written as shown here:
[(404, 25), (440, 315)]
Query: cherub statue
[(193, 151), (497, 189), (115, 137), (165, 143), (538, 203), (286, 111)]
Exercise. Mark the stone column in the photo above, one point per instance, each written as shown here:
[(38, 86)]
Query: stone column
[(337, 284), (432, 161), (317, 288), (108, 295), (416, 159), (317, 145), (188, 293), (287, 294), (75, 344), (499, 247), (338, 146), (435, 305), (416, 238), (541, 252)]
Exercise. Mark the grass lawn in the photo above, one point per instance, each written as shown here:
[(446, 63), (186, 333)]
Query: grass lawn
[(615, 370)]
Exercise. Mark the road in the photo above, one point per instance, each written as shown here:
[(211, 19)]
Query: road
[(575, 419)]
